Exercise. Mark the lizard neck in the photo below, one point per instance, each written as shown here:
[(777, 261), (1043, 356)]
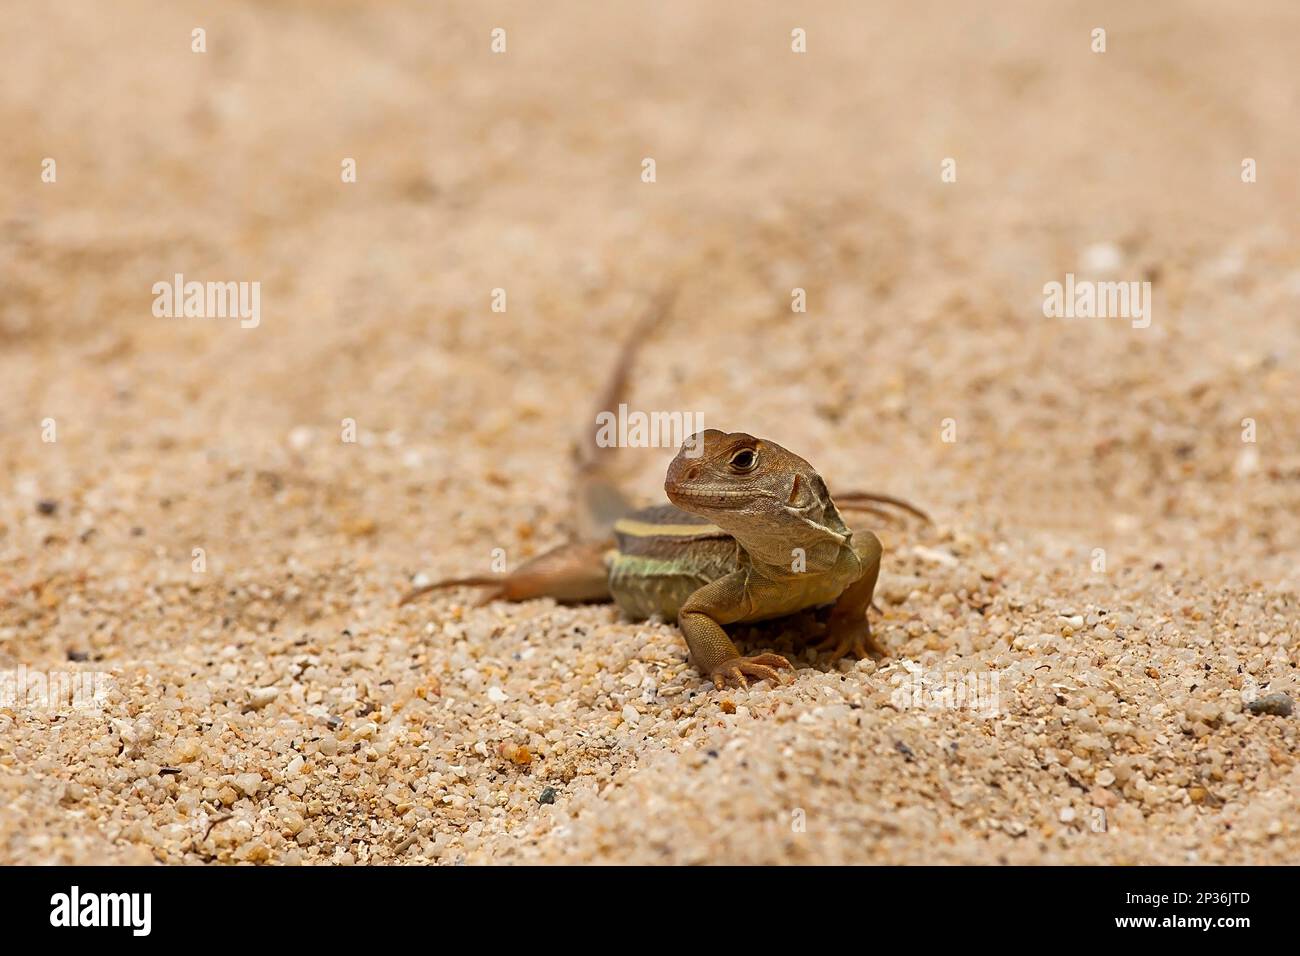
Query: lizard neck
[(810, 539)]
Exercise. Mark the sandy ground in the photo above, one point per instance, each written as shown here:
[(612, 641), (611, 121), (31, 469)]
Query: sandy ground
[(1112, 568)]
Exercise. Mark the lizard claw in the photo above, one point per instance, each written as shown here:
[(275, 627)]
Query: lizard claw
[(852, 638), (763, 666)]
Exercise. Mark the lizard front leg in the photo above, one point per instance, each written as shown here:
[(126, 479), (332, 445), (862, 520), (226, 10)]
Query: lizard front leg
[(723, 601), (849, 629)]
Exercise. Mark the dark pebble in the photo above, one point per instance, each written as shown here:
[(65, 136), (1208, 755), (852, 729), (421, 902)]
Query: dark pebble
[(47, 506), (547, 795), (1279, 705)]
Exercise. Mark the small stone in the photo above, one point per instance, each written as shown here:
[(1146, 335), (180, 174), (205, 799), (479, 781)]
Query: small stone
[(935, 556), (300, 437), (520, 756), (185, 751), (1066, 815), (359, 527), (1105, 778), (1103, 258), (259, 697), (1101, 797), (47, 506), (631, 715), (254, 852), (1278, 705), (497, 695), (728, 706), (1247, 462), (135, 735), (248, 783), (546, 796)]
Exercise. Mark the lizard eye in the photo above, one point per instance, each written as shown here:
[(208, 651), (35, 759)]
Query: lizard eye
[(744, 460)]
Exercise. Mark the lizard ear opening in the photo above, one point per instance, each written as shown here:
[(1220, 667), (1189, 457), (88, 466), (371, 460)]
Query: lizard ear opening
[(806, 491)]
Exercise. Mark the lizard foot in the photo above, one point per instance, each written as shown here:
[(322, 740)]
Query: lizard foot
[(763, 666), (852, 638)]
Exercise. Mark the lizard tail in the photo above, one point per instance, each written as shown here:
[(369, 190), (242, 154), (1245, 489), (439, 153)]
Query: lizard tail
[(569, 573), (478, 581), (598, 500), (576, 572)]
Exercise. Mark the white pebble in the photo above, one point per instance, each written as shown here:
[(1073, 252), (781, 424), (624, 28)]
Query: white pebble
[(934, 555), (259, 697), (1103, 257), (1247, 462)]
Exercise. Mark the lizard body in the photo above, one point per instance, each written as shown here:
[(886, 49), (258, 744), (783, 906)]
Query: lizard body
[(752, 534), (662, 556)]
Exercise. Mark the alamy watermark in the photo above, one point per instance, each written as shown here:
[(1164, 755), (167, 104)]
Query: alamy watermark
[(55, 691), (976, 691), (1086, 299), (179, 299), (75, 908), (635, 429)]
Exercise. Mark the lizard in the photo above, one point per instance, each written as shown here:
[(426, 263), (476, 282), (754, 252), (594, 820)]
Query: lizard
[(751, 533)]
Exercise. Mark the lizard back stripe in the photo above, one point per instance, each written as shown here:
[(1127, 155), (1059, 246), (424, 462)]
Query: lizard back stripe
[(640, 529), (663, 531)]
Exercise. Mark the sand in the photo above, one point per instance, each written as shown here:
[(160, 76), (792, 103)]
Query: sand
[(1110, 581)]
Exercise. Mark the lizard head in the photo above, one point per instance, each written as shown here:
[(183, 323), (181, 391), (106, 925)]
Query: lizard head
[(769, 499)]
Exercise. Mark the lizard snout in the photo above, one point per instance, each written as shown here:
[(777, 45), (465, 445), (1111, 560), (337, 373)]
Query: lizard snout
[(679, 473)]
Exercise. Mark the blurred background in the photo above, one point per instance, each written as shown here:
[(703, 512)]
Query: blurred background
[(775, 170)]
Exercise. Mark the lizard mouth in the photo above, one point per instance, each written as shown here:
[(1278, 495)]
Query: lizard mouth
[(717, 500)]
